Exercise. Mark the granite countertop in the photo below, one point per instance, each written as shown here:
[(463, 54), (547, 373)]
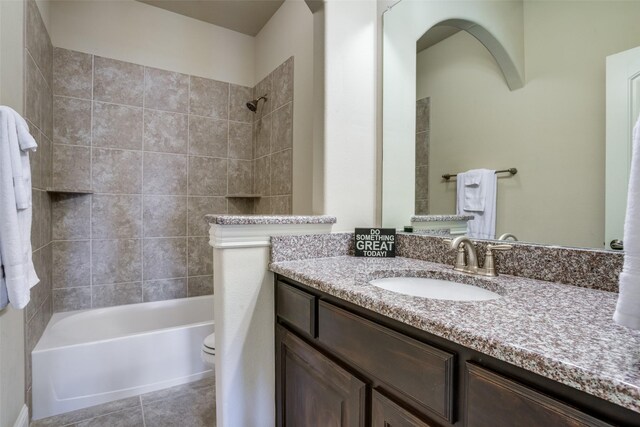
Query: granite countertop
[(562, 332), (269, 219), (441, 218)]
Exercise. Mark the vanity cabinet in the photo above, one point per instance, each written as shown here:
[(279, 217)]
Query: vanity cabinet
[(338, 364), (315, 390)]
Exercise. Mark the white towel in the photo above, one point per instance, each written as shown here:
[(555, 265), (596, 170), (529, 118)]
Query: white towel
[(628, 308), (474, 191), (478, 200), (15, 208)]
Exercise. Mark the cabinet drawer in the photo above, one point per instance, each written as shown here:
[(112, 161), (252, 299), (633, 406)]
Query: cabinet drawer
[(387, 413), (495, 401), (412, 370), (296, 307)]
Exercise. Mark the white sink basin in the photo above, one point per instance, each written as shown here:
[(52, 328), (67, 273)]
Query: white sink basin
[(434, 289)]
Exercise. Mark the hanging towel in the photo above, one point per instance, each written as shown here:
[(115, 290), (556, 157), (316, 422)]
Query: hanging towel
[(476, 195), (18, 273), (474, 191), (628, 308)]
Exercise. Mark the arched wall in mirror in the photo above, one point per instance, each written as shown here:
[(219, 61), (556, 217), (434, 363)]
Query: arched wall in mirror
[(497, 25)]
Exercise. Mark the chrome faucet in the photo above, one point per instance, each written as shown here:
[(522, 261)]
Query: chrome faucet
[(506, 236), (467, 257)]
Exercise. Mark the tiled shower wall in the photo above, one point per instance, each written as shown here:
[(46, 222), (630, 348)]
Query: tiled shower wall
[(273, 148), (158, 150), (38, 56), (422, 156)]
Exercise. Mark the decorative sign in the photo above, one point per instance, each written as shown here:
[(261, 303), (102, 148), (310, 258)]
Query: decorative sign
[(376, 242)]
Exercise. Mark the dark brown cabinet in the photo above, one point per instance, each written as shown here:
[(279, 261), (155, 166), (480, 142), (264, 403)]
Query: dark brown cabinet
[(386, 413), (341, 365), (314, 390), (493, 400)]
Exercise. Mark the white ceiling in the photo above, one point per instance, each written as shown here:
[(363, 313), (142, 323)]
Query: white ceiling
[(244, 16)]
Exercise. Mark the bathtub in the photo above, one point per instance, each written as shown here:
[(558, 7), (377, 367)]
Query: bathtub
[(90, 357)]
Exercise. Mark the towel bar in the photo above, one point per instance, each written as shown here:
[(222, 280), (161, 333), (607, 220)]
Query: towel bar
[(512, 171)]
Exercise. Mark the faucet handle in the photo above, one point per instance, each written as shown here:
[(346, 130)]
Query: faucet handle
[(491, 247), (489, 267)]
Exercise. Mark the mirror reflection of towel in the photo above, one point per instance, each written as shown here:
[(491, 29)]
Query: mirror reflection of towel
[(476, 195), (474, 191)]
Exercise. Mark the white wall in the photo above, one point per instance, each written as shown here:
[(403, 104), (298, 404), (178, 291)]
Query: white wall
[(12, 381), (136, 32), (290, 33), (350, 112), (552, 130)]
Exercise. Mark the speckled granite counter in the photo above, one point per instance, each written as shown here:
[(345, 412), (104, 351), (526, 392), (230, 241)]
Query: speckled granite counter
[(565, 333), (269, 219), (441, 218)]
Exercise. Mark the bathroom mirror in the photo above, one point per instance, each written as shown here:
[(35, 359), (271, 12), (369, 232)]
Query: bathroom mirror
[(499, 85)]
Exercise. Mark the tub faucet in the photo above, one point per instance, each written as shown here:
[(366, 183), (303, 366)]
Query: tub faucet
[(467, 258)]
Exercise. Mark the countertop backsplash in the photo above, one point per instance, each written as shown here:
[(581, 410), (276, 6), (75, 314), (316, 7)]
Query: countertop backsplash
[(588, 268)]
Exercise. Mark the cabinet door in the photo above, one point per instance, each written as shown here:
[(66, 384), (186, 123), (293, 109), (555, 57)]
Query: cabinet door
[(496, 401), (388, 414), (312, 390)]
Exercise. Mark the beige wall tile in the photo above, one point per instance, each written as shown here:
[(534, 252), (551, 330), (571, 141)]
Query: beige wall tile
[(165, 216), (262, 176), (71, 299), (71, 121), (118, 294), (281, 166), (281, 205), (200, 285), (165, 132), (117, 126), (117, 171), (200, 261), (166, 90), (208, 137), (198, 207), (241, 206), (116, 216), (262, 138), (165, 174), (118, 81), (72, 260), (207, 176), (238, 98), (71, 167), (282, 128), (209, 98), (240, 176), (165, 258), (164, 289), (283, 84), (116, 261), (72, 73), (264, 87), (240, 140), (70, 216)]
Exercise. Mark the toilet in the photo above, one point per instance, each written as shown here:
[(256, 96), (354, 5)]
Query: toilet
[(209, 349)]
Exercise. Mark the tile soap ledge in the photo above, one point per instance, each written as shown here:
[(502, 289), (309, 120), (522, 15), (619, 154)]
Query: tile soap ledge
[(66, 190), (269, 219)]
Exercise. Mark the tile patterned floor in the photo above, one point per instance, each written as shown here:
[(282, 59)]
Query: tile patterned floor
[(188, 405)]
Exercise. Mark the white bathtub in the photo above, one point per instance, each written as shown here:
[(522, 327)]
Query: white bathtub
[(89, 357)]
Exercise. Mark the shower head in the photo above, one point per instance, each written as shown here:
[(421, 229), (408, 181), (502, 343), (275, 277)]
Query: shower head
[(253, 105)]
